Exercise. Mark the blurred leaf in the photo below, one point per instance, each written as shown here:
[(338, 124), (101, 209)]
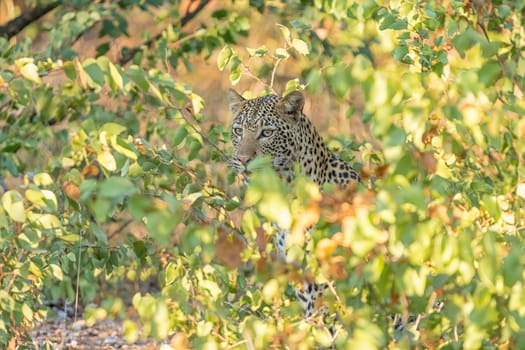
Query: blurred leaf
[(489, 73), (300, 46), (14, 205), (29, 71), (92, 68), (116, 77), (224, 57), (106, 159), (69, 69), (285, 32), (179, 136), (115, 187), (466, 40), (139, 77)]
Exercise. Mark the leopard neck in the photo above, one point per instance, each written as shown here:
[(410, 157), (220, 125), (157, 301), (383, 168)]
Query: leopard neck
[(312, 154), (318, 162)]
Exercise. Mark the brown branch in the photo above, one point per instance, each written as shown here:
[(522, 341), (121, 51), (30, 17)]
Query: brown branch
[(16, 25), (130, 53)]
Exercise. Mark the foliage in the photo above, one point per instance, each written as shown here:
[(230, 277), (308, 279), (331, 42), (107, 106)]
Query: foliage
[(113, 176)]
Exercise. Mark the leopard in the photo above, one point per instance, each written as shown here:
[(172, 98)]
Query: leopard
[(277, 127)]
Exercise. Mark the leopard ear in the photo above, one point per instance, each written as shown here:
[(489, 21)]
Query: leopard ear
[(236, 101), (291, 105)]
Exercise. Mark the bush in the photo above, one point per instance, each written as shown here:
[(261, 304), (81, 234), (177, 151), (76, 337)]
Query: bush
[(114, 175)]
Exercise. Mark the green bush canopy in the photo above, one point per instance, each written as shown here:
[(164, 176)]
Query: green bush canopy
[(116, 196)]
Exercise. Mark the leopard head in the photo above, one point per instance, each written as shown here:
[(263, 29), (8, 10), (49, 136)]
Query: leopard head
[(265, 126)]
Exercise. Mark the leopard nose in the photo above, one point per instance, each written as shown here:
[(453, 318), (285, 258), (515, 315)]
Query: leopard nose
[(244, 158)]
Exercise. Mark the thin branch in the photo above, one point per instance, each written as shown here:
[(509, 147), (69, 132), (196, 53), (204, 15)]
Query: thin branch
[(252, 75), (16, 25), (130, 53), (500, 60), (275, 67)]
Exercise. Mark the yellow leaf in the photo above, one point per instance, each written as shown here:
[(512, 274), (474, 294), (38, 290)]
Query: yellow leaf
[(30, 72), (13, 204), (107, 160), (300, 46), (285, 32), (115, 76), (520, 191)]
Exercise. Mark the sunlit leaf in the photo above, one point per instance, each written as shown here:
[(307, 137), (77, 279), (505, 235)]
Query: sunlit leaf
[(300, 46), (285, 32), (14, 206), (106, 159), (43, 179), (30, 72), (116, 77), (113, 129), (224, 57)]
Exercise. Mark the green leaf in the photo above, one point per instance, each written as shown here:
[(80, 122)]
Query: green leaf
[(116, 187), (512, 274), (92, 68), (489, 73), (102, 49), (139, 77), (160, 225), (179, 136), (387, 21), (259, 52), (125, 148), (87, 188), (113, 129), (69, 69), (466, 40), (195, 147), (400, 52)]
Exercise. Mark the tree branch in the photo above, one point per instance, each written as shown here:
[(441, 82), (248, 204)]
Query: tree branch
[(16, 25), (130, 53)]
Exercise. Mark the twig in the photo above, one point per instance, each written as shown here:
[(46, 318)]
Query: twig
[(275, 67), (79, 262), (247, 70), (186, 116), (16, 25), (128, 56), (500, 60)]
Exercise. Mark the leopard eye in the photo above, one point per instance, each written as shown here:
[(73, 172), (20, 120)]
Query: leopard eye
[(267, 132), (237, 131)]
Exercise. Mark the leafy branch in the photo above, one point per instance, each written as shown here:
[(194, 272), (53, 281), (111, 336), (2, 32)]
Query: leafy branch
[(129, 53), (17, 24)]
